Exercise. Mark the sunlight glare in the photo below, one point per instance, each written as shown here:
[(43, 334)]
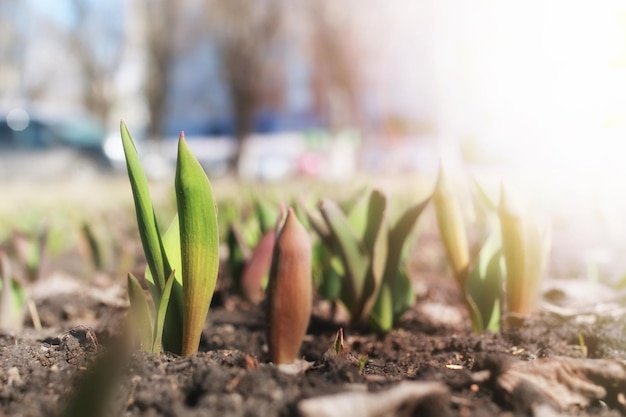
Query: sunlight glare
[(553, 83)]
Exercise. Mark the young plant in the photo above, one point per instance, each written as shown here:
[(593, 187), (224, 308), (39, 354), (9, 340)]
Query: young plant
[(483, 288), (254, 276), (97, 244), (361, 243), (338, 345), (525, 251), (30, 249), (452, 228), (327, 267), (290, 291), (373, 283), (250, 259), (238, 254), (183, 263), (12, 298), (480, 276), (396, 293)]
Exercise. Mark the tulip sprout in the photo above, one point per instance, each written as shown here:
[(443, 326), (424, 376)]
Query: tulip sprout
[(514, 251), (373, 284), (182, 264), (480, 276), (361, 242), (525, 250), (290, 291), (250, 252), (12, 297), (452, 228)]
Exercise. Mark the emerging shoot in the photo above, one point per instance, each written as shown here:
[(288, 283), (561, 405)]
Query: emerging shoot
[(452, 227), (290, 291), (525, 251), (182, 263)]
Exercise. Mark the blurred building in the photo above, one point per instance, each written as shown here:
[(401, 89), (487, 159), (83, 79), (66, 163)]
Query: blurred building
[(502, 77), (330, 66)]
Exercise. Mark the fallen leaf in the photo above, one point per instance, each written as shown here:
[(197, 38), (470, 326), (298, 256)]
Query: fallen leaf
[(404, 399)]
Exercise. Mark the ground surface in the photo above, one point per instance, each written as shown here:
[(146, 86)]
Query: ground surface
[(39, 370), (566, 360)]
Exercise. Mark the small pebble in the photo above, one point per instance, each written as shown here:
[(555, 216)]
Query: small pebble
[(14, 376)]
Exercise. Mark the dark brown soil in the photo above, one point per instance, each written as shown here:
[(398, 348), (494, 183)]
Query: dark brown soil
[(42, 371)]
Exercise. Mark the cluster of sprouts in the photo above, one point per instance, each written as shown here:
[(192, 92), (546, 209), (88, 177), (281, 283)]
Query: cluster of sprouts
[(360, 250)]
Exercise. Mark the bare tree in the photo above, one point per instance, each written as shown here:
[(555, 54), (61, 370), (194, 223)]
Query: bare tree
[(160, 22), (11, 46), (336, 62), (21, 80), (97, 45), (246, 33), (172, 29)]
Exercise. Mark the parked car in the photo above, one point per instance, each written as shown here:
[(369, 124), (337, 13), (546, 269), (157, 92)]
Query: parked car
[(40, 148)]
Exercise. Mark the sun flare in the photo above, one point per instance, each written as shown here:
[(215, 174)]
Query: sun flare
[(549, 83)]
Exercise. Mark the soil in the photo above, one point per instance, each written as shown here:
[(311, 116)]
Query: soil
[(432, 348), (562, 361)]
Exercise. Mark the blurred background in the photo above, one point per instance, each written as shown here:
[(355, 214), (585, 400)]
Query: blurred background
[(274, 88), (532, 93)]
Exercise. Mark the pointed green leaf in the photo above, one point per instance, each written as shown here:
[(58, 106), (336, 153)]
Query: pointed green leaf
[(484, 286), (19, 301), (485, 210), (301, 214), (451, 227), (250, 232), (483, 197), (525, 251), (199, 244), (266, 214), (6, 299), (171, 244), (396, 294), (403, 295), (159, 320), (478, 326), (397, 238), (352, 253), (173, 332), (319, 225), (12, 297), (338, 345), (394, 299), (406, 222), (381, 315), (140, 314), (357, 215), (332, 271), (375, 222), (146, 219), (375, 240), (238, 254), (348, 205)]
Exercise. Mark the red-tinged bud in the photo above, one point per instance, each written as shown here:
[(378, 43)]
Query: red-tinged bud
[(257, 269), (290, 291)]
